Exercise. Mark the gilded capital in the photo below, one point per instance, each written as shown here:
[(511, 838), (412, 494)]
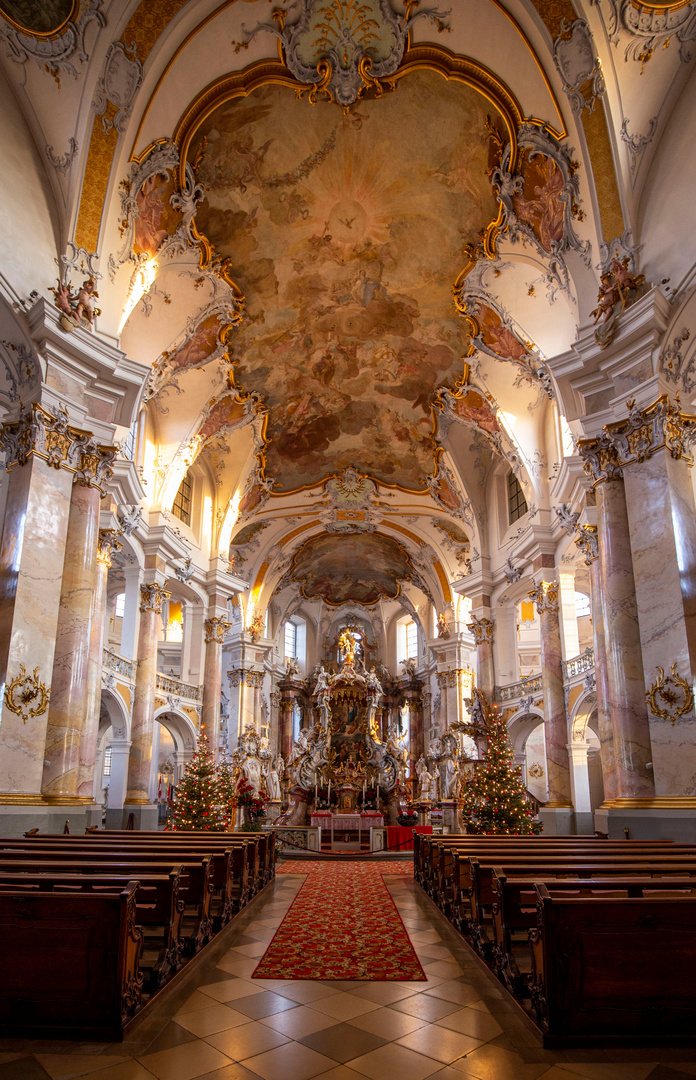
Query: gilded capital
[(545, 595), (151, 597), (482, 629), (215, 630), (245, 677), (108, 542), (644, 432), (588, 541), (38, 433)]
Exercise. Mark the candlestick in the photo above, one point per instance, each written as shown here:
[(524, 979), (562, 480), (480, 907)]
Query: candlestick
[(329, 795)]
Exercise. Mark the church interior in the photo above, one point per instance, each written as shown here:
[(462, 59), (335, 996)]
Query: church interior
[(347, 469)]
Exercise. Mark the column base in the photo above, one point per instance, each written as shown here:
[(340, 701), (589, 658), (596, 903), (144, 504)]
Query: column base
[(655, 819), (15, 820), (144, 816), (450, 816), (557, 820)]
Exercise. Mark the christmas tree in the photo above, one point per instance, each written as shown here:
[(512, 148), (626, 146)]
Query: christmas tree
[(494, 800), (198, 797)]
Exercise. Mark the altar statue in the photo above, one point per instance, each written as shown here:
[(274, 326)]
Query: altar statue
[(251, 767), (450, 768), (273, 778), (347, 645), (425, 785), (373, 684), (323, 685)]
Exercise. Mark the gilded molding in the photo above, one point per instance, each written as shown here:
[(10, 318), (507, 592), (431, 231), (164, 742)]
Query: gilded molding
[(151, 597), (482, 629), (588, 541), (454, 677), (674, 692), (245, 677), (644, 432), (26, 695), (215, 629), (108, 542), (56, 441), (545, 595)]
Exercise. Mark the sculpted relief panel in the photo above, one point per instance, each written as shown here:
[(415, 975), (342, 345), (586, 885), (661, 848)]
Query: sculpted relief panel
[(346, 254)]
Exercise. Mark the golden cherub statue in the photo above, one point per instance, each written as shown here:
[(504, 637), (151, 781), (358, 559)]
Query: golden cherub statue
[(347, 645)]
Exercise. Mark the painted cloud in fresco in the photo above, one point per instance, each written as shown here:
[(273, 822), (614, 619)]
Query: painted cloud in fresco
[(539, 204), (345, 233), (363, 568)]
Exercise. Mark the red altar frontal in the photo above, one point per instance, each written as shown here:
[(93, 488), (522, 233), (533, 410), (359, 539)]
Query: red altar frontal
[(346, 832)]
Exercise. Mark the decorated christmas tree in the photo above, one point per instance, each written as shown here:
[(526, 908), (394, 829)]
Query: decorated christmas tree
[(227, 791), (197, 802), (494, 800)]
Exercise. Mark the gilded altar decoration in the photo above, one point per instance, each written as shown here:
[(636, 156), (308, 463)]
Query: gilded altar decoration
[(671, 696), (340, 48), (151, 597), (644, 432), (588, 541), (545, 595), (215, 630), (26, 695), (482, 629), (39, 433)]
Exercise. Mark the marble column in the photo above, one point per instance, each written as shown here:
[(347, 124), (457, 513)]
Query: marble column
[(288, 699), (69, 685), (555, 720), (142, 725), (589, 541), (212, 680), (482, 629), (627, 707), (108, 542), (412, 694)]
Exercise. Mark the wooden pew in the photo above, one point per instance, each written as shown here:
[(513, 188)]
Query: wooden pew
[(265, 841), (619, 969), (195, 890), (159, 910), (70, 964), (515, 913)]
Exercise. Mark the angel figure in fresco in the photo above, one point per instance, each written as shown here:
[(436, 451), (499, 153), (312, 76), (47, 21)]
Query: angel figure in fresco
[(545, 212)]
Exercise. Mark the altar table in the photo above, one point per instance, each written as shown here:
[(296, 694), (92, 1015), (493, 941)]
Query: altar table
[(401, 836)]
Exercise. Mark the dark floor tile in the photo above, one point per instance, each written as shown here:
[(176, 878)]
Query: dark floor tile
[(342, 1042), (23, 1069), (665, 1072), (173, 1035), (266, 1004), (234, 1071)]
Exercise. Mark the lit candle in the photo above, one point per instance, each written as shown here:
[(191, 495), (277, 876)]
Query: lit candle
[(316, 791), (329, 796), (364, 786)]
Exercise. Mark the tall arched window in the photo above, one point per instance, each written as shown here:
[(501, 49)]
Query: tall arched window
[(406, 640), (517, 504), (182, 502)]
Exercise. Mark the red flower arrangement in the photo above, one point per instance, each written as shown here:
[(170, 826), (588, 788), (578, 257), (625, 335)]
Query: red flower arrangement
[(254, 803)]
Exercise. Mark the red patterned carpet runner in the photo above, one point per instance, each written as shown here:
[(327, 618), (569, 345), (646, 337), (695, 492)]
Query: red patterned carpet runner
[(343, 924)]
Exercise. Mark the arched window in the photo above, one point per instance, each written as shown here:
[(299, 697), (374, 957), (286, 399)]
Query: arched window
[(182, 502), (582, 605), (517, 504), (295, 640), (406, 640)]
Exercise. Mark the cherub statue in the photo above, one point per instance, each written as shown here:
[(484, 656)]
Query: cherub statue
[(625, 281), (443, 628), (83, 307), (63, 297), (609, 295), (291, 667)]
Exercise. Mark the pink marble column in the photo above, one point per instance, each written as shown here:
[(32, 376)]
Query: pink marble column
[(69, 698), (144, 698), (626, 682), (108, 542), (606, 731), (555, 719), (412, 693), (212, 681)]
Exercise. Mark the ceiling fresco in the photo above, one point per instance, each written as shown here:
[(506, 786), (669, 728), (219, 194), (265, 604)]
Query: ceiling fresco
[(346, 255), (362, 568)]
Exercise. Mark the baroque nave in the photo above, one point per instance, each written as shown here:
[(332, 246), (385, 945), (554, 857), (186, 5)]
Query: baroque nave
[(347, 423)]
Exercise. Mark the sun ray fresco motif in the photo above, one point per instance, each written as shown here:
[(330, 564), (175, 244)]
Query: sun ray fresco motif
[(346, 255)]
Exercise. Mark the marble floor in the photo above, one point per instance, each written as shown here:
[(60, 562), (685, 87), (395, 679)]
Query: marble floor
[(222, 1025)]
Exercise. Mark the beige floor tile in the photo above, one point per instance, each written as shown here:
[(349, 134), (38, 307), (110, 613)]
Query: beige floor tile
[(127, 1070), (458, 992), (494, 1063), (439, 1043), (242, 965), (387, 1023), (384, 993), (291, 1062), (296, 1023), (634, 1070), (184, 1062), (207, 1021), (247, 1040), (427, 1008), (251, 950), (344, 1006), (341, 1072), (446, 969), (305, 992), (229, 990), (196, 1000), (479, 1025), (393, 1062), (62, 1066), (425, 937), (433, 952)]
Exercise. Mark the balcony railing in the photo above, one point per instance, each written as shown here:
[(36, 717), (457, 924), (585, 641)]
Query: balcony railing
[(578, 665), (119, 664), (519, 689), (169, 684)]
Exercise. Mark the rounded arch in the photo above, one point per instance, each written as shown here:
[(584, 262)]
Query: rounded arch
[(521, 725), (180, 726), (581, 713), (114, 708)]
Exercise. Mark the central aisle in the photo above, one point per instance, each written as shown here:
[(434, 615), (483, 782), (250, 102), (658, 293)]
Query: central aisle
[(223, 1024), (342, 925)]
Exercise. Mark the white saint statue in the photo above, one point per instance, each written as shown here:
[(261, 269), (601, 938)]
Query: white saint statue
[(273, 782), (251, 767), (425, 781)]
